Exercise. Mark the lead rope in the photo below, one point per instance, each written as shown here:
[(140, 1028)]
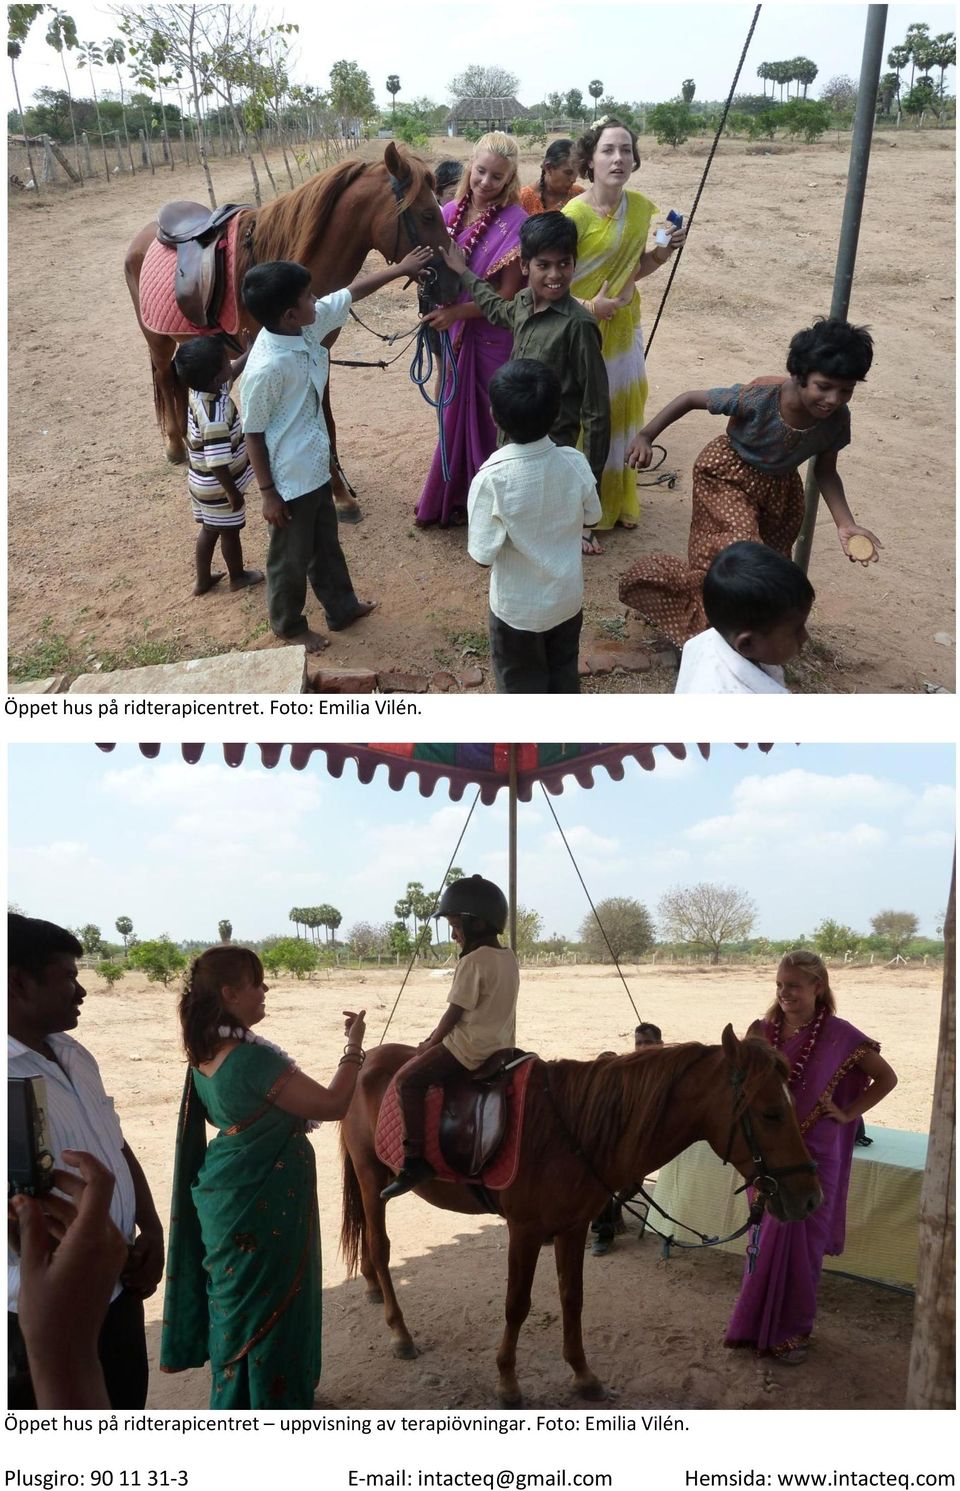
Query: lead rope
[(421, 373), (703, 179)]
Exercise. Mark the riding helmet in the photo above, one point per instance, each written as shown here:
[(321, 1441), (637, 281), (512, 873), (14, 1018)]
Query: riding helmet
[(474, 896)]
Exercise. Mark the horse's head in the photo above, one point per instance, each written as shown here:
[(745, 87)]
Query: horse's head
[(763, 1137), (410, 216)]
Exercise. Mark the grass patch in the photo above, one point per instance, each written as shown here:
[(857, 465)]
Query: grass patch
[(51, 653), (471, 644), (614, 627)]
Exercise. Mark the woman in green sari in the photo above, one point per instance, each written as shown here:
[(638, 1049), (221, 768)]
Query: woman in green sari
[(243, 1265)]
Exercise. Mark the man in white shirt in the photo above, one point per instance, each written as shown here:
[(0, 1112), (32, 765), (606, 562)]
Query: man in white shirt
[(527, 508), (43, 1001), (757, 603)]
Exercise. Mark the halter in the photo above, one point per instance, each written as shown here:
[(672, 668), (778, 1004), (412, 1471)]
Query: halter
[(429, 278)]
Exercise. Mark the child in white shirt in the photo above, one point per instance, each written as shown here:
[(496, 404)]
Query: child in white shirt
[(527, 507), (757, 603)]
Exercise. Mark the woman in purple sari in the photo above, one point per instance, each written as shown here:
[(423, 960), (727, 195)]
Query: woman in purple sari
[(836, 1074), (485, 219)]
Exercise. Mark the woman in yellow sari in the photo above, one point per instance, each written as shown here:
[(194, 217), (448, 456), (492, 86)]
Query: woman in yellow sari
[(612, 226)]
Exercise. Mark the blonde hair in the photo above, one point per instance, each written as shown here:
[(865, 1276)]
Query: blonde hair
[(812, 966), (496, 143)]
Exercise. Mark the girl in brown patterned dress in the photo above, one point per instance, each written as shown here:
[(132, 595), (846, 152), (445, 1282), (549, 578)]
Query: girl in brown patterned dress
[(746, 483)]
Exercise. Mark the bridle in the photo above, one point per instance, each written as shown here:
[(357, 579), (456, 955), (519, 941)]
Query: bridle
[(766, 1178), (429, 278)]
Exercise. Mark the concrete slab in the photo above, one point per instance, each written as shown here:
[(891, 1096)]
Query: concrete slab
[(57, 684), (276, 670)]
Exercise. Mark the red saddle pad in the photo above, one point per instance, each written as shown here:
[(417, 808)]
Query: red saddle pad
[(502, 1170), (158, 302)]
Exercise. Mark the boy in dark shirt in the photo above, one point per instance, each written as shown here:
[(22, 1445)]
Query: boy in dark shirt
[(550, 326)]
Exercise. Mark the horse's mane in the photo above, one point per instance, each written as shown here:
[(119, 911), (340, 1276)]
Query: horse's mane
[(293, 226), (601, 1099)]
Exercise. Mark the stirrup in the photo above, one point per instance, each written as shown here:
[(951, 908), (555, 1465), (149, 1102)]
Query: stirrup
[(415, 1171)]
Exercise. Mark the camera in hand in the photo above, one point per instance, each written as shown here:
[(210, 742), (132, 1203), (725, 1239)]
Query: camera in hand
[(30, 1162)]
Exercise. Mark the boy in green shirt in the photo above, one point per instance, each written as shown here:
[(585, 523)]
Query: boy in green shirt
[(550, 326)]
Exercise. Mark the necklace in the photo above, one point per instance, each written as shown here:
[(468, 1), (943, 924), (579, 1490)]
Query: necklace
[(795, 1079), (247, 1038), (477, 228)]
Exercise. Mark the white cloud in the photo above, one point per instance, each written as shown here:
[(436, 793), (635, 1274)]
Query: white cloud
[(934, 806)]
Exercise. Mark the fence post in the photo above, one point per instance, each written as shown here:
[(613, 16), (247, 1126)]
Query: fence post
[(116, 136), (48, 171), (86, 152), (144, 158)]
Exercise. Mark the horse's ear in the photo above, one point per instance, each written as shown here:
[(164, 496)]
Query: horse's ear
[(731, 1046), (395, 162)]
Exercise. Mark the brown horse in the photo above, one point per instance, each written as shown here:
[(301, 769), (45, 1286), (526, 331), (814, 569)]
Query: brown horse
[(329, 225), (611, 1121)]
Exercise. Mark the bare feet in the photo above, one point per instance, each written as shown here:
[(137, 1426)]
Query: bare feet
[(309, 641), (246, 579), (622, 523), (202, 586), (363, 609)]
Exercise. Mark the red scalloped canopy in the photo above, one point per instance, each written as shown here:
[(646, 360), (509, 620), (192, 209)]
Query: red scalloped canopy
[(483, 765)]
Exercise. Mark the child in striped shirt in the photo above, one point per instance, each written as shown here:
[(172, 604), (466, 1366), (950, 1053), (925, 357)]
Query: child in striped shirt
[(219, 470)]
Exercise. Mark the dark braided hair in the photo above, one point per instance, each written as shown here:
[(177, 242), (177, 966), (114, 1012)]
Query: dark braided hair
[(557, 153), (201, 1008)]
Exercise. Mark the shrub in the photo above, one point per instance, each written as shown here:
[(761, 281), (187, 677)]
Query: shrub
[(111, 973), (160, 960), (671, 123)]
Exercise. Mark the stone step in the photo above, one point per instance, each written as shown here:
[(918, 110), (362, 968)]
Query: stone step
[(275, 670)]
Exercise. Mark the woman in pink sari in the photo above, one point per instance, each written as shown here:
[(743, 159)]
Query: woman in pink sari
[(485, 219), (836, 1075)]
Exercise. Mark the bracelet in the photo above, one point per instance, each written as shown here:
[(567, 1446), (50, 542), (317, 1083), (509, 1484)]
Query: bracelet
[(355, 1053), (356, 1061), (271, 487)]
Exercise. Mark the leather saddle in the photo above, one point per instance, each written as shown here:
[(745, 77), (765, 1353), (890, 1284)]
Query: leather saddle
[(197, 235), (473, 1118)]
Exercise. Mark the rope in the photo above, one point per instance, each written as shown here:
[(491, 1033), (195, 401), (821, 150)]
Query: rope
[(703, 179), (667, 478), (587, 894), (421, 372), (416, 950)]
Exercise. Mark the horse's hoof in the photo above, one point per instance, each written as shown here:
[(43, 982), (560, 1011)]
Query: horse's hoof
[(405, 1350), (373, 1297), (594, 1391), (176, 455), (510, 1397)]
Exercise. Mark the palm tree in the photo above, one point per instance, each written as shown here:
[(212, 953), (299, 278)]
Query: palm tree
[(763, 73), (595, 90), (295, 914), (945, 54), (114, 54), (332, 921), (91, 56), (62, 36), (19, 20), (687, 89), (917, 35), (124, 926), (805, 71), (393, 88), (897, 58), (225, 929)]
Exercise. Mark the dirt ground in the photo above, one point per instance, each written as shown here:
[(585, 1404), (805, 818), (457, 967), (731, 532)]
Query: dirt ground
[(652, 1330), (100, 535)]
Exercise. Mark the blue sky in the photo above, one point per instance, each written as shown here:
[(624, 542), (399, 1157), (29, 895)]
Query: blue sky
[(639, 51), (808, 831)]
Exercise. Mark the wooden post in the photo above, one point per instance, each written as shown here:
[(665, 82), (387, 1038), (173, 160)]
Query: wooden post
[(86, 153), (931, 1381), (145, 160), (120, 166), (59, 156)]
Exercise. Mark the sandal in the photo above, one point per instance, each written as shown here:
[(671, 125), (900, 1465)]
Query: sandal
[(589, 544)]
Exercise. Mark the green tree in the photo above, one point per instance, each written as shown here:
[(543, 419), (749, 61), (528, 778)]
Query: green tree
[(595, 90), (832, 939), (920, 100), (672, 123), (529, 927), (292, 954), (765, 75), (62, 36), (124, 926), (393, 88), (897, 58), (944, 55), (19, 20), (160, 960), (764, 126), (400, 939), (707, 916), (351, 93), (807, 117), (91, 56), (628, 925), (115, 53), (687, 89), (895, 928), (573, 104), (804, 71), (917, 42), (225, 929), (110, 972), (92, 939), (478, 81)]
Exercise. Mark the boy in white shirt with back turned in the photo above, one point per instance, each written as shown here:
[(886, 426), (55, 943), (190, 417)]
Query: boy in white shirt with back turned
[(527, 507)]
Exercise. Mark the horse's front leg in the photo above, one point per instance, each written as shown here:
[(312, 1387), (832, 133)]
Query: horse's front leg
[(568, 1247), (524, 1251), (376, 1253), (348, 508)]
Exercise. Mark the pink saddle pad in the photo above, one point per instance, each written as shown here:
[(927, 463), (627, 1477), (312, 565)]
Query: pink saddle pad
[(502, 1169), (158, 301)]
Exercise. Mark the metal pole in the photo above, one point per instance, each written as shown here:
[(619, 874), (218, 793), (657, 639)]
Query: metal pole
[(512, 847), (849, 228)]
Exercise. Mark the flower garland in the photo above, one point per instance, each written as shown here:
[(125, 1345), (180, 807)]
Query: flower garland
[(241, 1033), (477, 228), (796, 1072)]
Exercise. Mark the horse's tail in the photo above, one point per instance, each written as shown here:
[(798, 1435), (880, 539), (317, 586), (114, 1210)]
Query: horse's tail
[(351, 1227), (157, 399)]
